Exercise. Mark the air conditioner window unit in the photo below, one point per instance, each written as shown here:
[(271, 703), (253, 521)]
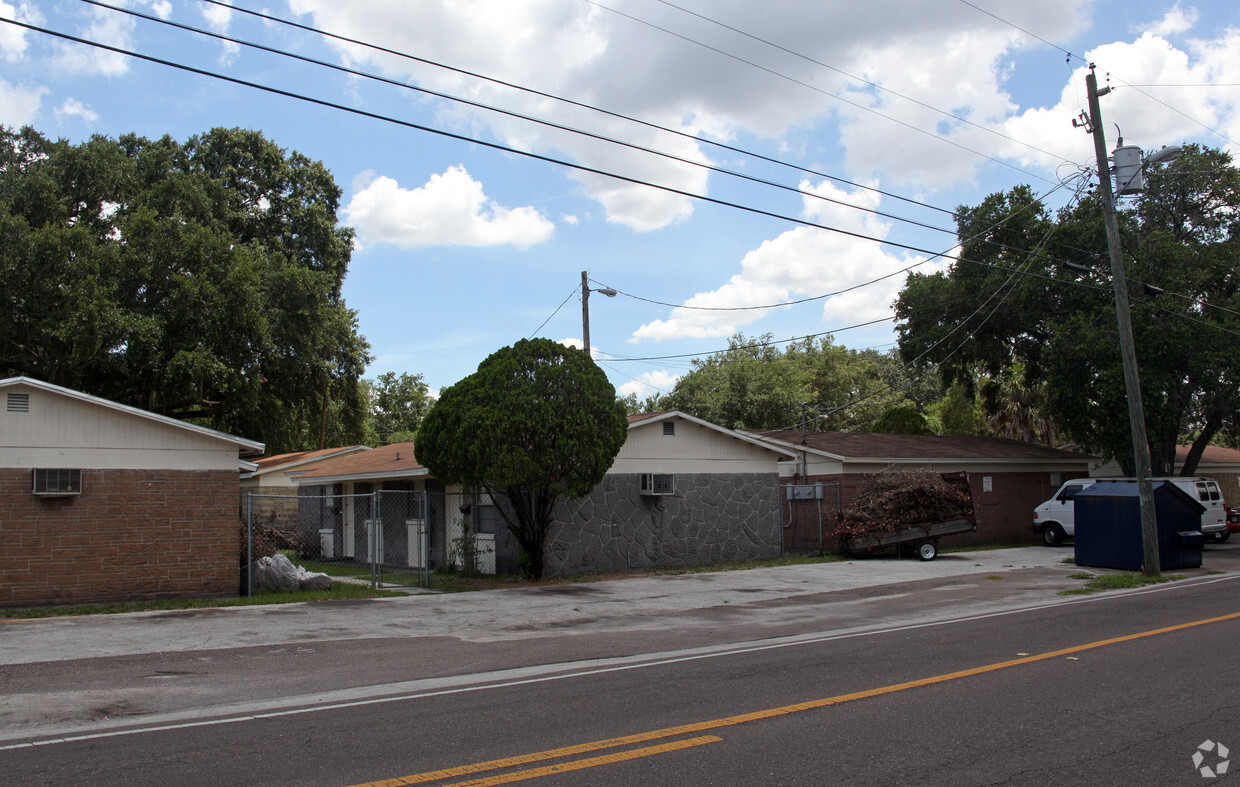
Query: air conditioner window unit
[(57, 482), (658, 484)]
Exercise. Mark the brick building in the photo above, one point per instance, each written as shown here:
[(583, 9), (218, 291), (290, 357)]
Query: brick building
[(104, 502), (1008, 478)]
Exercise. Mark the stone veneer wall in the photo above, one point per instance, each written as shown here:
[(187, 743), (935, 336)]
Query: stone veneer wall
[(710, 518), (130, 535)]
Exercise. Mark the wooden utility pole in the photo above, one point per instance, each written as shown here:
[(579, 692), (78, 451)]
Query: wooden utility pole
[(1132, 377)]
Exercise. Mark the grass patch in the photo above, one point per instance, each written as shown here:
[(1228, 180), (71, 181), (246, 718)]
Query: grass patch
[(1071, 561), (1123, 581), (1081, 575), (340, 590)]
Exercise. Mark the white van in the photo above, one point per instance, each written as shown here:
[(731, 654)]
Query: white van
[(1055, 519)]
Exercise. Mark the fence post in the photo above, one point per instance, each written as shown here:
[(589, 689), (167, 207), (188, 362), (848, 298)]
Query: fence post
[(249, 544)]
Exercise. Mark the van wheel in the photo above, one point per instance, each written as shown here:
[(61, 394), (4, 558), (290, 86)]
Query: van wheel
[(1220, 537), (926, 550), (1052, 535)]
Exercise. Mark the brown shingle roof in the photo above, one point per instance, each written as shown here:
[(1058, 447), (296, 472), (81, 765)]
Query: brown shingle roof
[(389, 459), (908, 446), (278, 460), (1214, 454)]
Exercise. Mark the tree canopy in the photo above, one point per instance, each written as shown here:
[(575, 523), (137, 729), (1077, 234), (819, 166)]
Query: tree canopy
[(1011, 304), (396, 406), (198, 280), (756, 385), (538, 420)]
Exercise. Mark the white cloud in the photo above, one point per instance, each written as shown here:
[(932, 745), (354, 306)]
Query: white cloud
[(953, 58), (1177, 20), (218, 17), (72, 108), (12, 38), (19, 105), (106, 27), (161, 8), (647, 383), (449, 210), (802, 262), (1148, 115)]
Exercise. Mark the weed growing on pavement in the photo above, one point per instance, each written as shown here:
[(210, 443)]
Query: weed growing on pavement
[(1122, 581)]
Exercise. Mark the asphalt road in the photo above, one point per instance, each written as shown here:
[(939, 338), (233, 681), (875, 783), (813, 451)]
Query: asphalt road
[(966, 679)]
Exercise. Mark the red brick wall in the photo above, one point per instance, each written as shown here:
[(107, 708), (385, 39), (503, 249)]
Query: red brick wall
[(1004, 515), (130, 535)]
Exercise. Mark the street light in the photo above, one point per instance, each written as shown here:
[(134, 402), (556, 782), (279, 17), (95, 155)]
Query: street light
[(1129, 174), (585, 308)]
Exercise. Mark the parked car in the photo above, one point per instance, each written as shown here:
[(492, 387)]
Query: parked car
[(1233, 519), (1055, 519)]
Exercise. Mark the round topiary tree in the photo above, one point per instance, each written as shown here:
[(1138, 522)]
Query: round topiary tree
[(537, 421)]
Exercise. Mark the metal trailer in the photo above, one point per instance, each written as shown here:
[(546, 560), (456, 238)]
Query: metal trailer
[(925, 535)]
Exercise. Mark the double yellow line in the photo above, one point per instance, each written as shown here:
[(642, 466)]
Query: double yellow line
[(729, 721)]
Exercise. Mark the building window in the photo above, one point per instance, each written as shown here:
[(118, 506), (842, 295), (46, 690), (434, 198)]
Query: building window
[(55, 482)]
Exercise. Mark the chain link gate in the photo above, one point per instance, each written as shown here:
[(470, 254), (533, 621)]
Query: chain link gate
[(395, 532)]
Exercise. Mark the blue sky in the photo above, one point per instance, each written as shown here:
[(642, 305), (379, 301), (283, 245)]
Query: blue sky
[(464, 248)]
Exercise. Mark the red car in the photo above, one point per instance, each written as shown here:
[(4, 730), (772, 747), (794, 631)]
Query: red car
[(1233, 519)]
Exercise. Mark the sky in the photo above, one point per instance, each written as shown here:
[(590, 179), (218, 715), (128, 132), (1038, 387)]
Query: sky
[(768, 168)]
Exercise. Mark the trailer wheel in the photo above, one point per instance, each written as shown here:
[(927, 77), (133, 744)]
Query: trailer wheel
[(927, 550)]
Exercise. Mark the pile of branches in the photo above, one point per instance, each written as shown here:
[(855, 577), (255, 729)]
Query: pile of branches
[(270, 535), (892, 498)]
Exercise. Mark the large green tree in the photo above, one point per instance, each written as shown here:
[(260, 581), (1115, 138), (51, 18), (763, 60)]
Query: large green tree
[(536, 422), (397, 403), (1012, 315), (199, 280), (754, 384)]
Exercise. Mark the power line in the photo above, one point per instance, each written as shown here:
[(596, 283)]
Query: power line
[(509, 113), (1179, 112), (578, 104), (862, 80), (814, 88), (459, 137)]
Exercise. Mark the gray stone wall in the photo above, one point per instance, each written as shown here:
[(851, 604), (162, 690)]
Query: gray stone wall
[(711, 518)]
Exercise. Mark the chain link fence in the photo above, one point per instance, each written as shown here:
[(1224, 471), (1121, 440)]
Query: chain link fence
[(387, 538)]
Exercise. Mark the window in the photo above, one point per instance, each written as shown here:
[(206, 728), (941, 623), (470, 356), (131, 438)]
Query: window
[(669, 428), (57, 482), (658, 484), (18, 403), (1070, 491)]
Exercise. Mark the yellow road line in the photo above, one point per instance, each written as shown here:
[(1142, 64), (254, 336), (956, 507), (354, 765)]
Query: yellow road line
[(730, 721), (591, 762)]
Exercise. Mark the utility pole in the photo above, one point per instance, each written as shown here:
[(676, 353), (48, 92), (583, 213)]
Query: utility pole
[(585, 313), (1132, 378), (585, 308)]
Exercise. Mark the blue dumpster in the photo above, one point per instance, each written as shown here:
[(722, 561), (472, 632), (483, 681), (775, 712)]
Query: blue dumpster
[(1108, 526)]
